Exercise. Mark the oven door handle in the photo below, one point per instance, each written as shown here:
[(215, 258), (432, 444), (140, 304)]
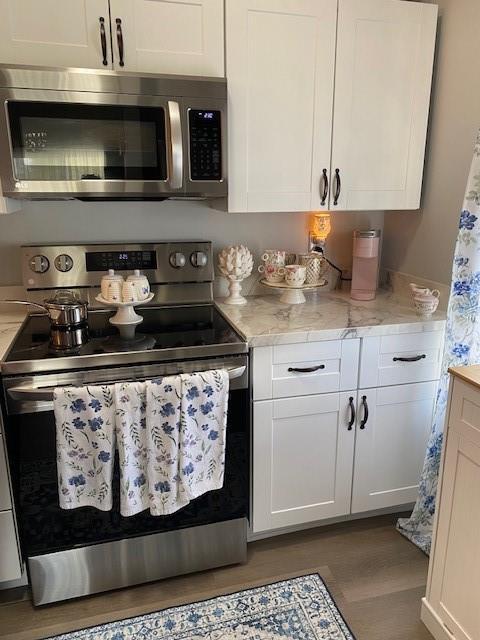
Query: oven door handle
[(175, 144), (45, 394)]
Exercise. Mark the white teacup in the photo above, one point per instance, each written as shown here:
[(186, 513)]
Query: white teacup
[(274, 256), (295, 275), (273, 273)]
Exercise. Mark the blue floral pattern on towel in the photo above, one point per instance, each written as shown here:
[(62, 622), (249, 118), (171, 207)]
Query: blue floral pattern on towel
[(462, 347), (85, 441)]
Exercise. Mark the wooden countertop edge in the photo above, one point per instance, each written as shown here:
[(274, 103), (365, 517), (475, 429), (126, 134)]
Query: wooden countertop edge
[(469, 374)]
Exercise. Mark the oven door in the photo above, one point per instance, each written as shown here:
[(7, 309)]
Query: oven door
[(46, 531), (86, 145)]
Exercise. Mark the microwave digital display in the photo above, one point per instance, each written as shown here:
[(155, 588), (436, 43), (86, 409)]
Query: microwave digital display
[(205, 144), (120, 260)]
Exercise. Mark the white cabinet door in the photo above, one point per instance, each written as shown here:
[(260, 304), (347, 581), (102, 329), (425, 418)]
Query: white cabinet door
[(168, 36), (390, 445), (302, 459), (280, 58), (382, 91), (5, 502), (10, 568), (455, 579), (56, 33)]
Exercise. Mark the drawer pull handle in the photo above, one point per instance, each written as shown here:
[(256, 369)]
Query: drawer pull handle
[(411, 359), (352, 413), (306, 369), (365, 412)]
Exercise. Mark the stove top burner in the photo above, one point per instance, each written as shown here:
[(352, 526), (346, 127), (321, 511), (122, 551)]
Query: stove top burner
[(173, 332)]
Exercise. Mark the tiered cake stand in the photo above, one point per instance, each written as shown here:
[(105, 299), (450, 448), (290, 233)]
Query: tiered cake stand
[(126, 319), (293, 295)]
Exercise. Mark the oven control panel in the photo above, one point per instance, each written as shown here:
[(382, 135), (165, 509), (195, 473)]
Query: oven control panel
[(61, 266)]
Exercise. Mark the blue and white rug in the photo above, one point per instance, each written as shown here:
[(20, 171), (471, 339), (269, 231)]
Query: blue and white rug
[(297, 609)]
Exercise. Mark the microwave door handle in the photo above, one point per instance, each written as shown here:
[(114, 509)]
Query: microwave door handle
[(175, 145)]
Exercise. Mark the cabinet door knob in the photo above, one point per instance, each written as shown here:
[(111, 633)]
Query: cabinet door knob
[(365, 412), (120, 42), (103, 40), (338, 187), (324, 181), (352, 413)]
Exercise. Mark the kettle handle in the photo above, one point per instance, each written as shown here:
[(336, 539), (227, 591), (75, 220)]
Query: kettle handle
[(34, 304)]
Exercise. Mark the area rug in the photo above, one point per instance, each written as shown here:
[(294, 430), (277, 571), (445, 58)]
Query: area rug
[(297, 609)]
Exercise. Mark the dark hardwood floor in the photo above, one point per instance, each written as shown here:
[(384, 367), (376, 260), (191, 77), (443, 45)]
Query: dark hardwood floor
[(376, 577)]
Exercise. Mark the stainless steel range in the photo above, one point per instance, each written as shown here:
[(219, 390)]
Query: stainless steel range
[(82, 551)]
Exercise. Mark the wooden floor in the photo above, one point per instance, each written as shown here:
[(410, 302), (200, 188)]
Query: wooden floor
[(377, 579)]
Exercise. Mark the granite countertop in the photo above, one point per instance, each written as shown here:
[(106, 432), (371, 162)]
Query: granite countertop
[(11, 318), (264, 320)]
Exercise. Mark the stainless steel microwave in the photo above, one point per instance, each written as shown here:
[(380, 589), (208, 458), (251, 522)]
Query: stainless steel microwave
[(88, 134)]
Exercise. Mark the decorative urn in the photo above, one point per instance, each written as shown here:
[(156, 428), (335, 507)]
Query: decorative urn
[(236, 264)]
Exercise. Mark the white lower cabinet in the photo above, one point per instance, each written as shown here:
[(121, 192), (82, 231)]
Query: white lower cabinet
[(451, 606), (10, 568), (321, 451), (390, 444), (302, 459)]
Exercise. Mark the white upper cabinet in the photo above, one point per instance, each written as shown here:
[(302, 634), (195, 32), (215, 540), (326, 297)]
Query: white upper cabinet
[(382, 92), (55, 33), (280, 68), (168, 36), (312, 92)]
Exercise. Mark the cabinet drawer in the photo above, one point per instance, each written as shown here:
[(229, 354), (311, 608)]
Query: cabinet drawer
[(10, 568), (401, 359), (5, 502), (305, 369)]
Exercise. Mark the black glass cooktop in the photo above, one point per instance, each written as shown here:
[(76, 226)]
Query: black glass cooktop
[(176, 332)]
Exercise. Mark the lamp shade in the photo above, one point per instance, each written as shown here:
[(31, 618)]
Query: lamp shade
[(321, 226)]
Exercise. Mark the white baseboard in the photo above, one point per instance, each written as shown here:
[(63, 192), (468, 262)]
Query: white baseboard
[(433, 622), (260, 535)]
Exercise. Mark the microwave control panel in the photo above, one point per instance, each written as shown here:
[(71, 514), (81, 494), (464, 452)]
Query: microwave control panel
[(205, 144)]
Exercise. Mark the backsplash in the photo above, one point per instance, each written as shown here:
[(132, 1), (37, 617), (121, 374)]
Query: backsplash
[(76, 222)]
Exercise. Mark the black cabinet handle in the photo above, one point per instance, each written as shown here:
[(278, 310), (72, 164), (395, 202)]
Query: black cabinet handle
[(324, 180), (338, 187), (103, 40), (120, 42), (411, 359), (352, 413), (365, 412), (306, 369)]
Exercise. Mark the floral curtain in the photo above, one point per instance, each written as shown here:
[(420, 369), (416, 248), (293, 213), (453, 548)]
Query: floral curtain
[(462, 347)]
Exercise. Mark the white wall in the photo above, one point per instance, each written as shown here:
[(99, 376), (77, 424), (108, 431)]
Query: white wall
[(422, 243), (77, 222)]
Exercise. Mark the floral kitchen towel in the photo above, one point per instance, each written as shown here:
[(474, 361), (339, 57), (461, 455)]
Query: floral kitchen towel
[(163, 433), (85, 421), (203, 418), (131, 420)]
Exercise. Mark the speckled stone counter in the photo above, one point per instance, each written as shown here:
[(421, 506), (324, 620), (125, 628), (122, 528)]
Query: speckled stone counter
[(264, 320)]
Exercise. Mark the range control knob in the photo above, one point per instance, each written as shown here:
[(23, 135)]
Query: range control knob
[(63, 262), (39, 264), (199, 259), (177, 260)]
